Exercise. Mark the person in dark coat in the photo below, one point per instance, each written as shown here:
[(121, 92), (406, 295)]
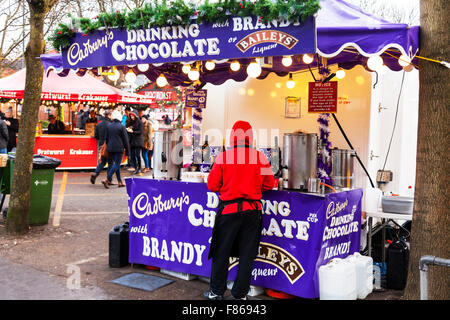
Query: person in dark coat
[(55, 126), (135, 129), (240, 175), (13, 129), (3, 137), (100, 135), (116, 142)]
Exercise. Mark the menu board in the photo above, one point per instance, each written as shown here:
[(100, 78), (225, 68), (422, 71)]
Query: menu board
[(322, 98)]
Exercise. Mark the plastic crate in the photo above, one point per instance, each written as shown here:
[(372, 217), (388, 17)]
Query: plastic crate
[(397, 204)]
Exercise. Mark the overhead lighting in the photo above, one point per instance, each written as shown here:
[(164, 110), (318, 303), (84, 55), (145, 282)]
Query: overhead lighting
[(286, 61), (340, 73), (186, 68), (375, 63), (210, 65), (193, 74), (115, 76), (254, 69), (143, 67), (404, 61), (307, 58), (235, 65), (290, 83), (130, 77), (161, 81)]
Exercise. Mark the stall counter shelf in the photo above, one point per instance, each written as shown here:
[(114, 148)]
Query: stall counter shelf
[(74, 151)]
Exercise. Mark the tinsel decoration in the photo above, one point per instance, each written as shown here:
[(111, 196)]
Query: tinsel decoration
[(196, 136), (324, 157), (183, 12)]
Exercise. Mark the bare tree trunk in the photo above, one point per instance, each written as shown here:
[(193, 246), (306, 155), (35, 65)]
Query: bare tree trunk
[(19, 203), (430, 222)]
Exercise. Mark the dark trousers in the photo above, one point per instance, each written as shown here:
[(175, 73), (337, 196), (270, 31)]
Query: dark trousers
[(242, 229), (115, 168), (136, 157), (102, 164)]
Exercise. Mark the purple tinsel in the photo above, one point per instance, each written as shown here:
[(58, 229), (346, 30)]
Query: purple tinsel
[(323, 160), (196, 135)]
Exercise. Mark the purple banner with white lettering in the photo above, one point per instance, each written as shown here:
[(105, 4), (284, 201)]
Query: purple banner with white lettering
[(171, 224), (238, 37)]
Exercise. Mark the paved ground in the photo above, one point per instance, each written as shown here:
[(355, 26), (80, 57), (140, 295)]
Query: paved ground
[(67, 259)]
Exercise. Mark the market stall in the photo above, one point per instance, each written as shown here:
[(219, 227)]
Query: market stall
[(304, 225), (75, 147)]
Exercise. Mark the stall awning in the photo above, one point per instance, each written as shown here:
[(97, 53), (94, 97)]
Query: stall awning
[(346, 36), (84, 88)]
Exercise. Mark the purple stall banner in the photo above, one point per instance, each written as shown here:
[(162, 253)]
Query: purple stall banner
[(195, 98), (238, 37), (171, 224)]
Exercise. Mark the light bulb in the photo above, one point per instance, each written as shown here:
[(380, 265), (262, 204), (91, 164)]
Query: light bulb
[(290, 83), (286, 61), (210, 65), (143, 67), (307, 58), (130, 77), (404, 60), (161, 81), (193, 74), (340, 74), (254, 69), (235, 65), (374, 63), (186, 68), (115, 76)]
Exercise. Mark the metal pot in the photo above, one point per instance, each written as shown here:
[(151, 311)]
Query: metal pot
[(299, 160), (167, 154), (343, 164)]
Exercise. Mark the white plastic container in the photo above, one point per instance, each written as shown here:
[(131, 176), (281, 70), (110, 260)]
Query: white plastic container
[(372, 199), (364, 274), (337, 280)]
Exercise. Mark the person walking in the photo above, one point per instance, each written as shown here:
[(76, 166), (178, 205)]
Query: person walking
[(116, 142), (13, 128), (134, 128), (100, 134), (240, 175), (3, 137), (147, 135)]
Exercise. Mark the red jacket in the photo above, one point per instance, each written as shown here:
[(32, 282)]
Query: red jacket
[(241, 172)]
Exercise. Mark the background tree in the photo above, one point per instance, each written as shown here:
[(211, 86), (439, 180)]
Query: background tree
[(19, 203), (429, 234)]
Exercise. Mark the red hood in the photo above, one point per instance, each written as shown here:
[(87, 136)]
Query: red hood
[(241, 134)]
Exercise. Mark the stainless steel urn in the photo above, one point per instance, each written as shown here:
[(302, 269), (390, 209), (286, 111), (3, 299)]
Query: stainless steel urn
[(342, 170), (299, 160), (167, 154)]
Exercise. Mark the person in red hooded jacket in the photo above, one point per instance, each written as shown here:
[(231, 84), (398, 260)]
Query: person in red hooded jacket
[(240, 175)]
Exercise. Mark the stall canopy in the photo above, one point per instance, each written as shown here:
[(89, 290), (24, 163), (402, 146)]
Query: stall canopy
[(346, 36), (84, 88)]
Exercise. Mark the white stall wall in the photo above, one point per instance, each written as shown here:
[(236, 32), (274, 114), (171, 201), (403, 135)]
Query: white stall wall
[(402, 155), (261, 102)]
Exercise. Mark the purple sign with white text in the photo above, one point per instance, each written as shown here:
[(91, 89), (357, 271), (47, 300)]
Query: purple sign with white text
[(238, 37), (171, 224)]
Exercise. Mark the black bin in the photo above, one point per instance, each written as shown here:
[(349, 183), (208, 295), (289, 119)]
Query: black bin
[(118, 246), (397, 265)]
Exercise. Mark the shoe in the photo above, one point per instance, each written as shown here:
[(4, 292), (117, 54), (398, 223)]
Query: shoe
[(130, 169), (112, 183), (106, 183), (93, 177), (145, 170), (243, 298), (212, 296), (136, 171), (121, 184)]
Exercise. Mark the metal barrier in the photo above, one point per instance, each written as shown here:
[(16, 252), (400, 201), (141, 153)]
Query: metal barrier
[(424, 262)]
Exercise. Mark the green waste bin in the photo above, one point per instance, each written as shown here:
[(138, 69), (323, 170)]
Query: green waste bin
[(40, 189)]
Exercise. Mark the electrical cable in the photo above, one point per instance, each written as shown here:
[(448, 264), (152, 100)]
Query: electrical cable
[(395, 120)]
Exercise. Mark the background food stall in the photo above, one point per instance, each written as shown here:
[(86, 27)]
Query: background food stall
[(302, 230), (64, 97)]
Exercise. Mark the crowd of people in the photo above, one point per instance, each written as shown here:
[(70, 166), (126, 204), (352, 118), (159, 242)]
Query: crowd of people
[(116, 134), (9, 126)]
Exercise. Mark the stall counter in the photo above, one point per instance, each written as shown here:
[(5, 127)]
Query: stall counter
[(74, 151), (171, 223)]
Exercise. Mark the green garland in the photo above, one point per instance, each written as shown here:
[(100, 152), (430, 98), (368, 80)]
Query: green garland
[(159, 14)]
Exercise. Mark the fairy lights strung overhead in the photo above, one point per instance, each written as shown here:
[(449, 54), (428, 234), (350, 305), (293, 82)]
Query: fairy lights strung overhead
[(161, 81)]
